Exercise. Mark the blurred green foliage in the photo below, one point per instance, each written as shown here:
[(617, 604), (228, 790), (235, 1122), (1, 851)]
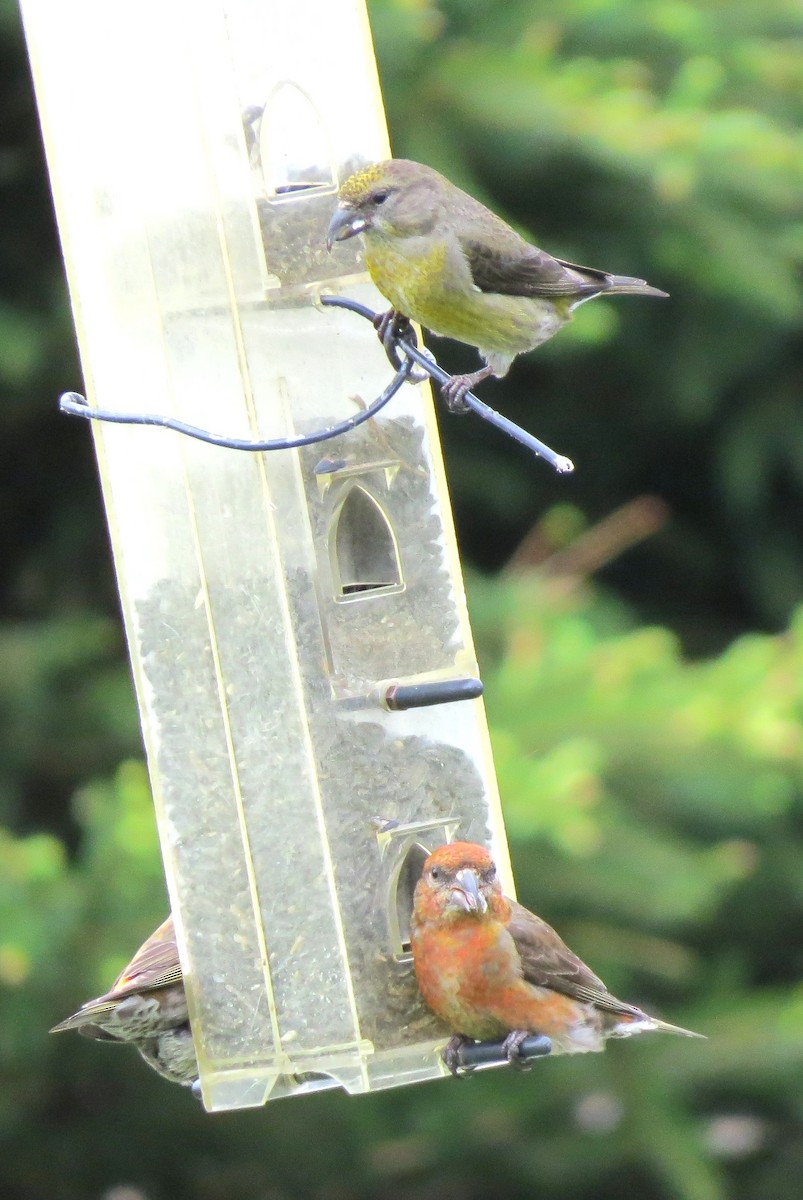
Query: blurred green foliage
[(653, 801), (661, 138)]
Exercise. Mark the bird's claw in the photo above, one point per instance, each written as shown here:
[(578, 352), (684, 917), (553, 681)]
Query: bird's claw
[(455, 389), (451, 1055), (390, 326), (384, 322), (511, 1047), (421, 376)]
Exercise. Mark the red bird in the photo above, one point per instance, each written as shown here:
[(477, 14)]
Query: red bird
[(491, 969), (146, 1006)]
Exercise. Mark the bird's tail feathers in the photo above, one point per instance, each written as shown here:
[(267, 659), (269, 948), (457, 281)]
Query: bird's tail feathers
[(73, 1022), (644, 1024), (665, 1027), (626, 285), (87, 1013)]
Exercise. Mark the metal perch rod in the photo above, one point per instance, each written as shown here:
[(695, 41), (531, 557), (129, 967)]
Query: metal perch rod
[(404, 352)]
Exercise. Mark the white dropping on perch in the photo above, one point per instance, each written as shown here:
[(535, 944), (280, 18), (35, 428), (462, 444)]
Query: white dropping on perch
[(287, 613)]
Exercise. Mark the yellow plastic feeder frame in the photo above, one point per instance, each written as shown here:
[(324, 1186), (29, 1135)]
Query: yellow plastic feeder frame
[(276, 605)]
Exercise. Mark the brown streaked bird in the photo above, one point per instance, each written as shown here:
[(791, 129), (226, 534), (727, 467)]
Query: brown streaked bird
[(491, 969), (443, 259), (147, 1007)]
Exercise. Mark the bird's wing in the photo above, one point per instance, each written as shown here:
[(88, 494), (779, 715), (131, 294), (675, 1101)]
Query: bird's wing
[(155, 964), (514, 268), (548, 962)]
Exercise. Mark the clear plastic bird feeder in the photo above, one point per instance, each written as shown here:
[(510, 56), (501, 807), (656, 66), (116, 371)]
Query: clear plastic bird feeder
[(287, 613)]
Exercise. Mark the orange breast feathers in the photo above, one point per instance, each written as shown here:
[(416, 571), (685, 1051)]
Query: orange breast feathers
[(470, 974)]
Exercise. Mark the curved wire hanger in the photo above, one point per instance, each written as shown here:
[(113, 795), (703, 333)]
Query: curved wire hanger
[(404, 353)]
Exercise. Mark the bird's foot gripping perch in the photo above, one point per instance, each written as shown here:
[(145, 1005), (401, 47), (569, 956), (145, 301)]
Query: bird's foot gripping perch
[(452, 1055), (393, 328), (455, 389), (463, 1056), (390, 326), (512, 1046), (398, 337)]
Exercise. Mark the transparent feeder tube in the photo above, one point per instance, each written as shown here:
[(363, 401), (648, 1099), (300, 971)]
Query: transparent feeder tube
[(270, 600)]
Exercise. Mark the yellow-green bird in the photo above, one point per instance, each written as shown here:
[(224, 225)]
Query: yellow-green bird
[(443, 259)]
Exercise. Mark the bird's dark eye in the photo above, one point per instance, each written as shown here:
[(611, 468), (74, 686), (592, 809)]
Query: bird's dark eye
[(380, 197), (435, 873)]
